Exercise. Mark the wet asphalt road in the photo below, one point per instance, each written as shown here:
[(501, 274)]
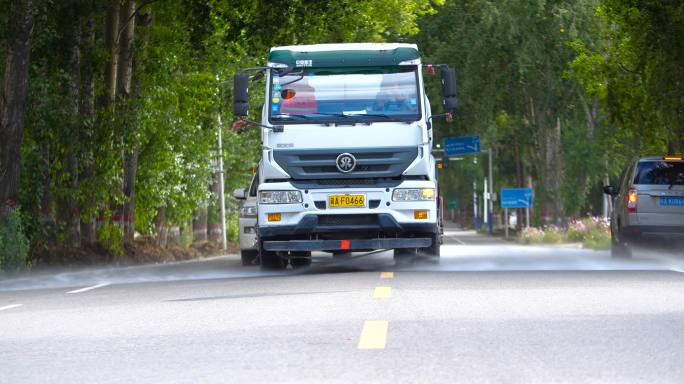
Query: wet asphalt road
[(491, 311)]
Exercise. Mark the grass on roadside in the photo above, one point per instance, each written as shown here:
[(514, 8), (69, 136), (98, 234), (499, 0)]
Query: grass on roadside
[(592, 232)]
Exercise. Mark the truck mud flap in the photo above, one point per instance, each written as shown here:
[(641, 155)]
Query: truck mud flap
[(352, 244)]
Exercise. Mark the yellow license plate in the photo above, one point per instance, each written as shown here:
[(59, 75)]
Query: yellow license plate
[(347, 201)]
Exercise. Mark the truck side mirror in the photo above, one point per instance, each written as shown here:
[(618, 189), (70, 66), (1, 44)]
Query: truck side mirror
[(240, 193), (448, 76), (241, 94)]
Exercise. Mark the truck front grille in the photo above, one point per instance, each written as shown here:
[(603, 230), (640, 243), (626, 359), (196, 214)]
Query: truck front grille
[(316, 164)]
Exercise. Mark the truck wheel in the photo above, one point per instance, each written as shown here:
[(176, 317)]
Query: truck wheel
[(249, 256), (300, 259), (431, 253), (271, 261)]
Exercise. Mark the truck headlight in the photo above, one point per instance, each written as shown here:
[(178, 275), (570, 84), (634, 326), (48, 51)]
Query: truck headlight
[(280, 197), (248, 212), (413, 194)]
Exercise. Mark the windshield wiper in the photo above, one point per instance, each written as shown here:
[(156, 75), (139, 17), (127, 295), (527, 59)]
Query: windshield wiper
[(332, 114), (287, 115), (308, 115), (293, 81), (372, 115)]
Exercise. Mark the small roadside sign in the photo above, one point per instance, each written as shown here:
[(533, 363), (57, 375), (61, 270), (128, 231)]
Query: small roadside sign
[(461, 145), (452, 204), (517, 197)]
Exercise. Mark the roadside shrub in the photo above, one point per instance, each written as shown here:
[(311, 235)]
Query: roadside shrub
[(592, 232), (598, 240), (600, 223), (110, 236), (14, 245), (232, 227), (598, 236), (552, 235), (577, 231), (532, 236)]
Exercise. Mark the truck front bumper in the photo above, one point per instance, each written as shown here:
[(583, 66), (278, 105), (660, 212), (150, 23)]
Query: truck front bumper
[(382, 223), (366, 223), (351, 245)]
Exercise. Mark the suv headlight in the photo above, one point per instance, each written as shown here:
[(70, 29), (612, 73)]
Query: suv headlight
[(248, 212), (413, 194), (280, 197)]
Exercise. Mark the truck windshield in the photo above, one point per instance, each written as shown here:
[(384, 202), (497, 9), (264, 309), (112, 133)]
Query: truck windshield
[(364, 94)]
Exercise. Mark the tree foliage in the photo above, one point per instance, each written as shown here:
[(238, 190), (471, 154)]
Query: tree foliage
[(171, 91), (562, 91)]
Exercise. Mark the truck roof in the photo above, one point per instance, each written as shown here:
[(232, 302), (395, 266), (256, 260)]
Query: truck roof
[(345, 55), (345, 47)]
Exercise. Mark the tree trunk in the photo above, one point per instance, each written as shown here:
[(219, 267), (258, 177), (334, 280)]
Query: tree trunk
[(173, 236), (129, 154), (591, 119), (112, 44), (41, 136), (126, 39), (130, 157), (161, 228), (106, 100), (553, 173), (213, 220), (69, 212), (199, 225), (130, 163), (13, 99), (87, 112)]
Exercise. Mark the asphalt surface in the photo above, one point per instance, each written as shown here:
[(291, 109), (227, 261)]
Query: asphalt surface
[(490, 311)]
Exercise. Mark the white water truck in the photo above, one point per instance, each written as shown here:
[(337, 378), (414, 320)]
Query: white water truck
[(347, 160)]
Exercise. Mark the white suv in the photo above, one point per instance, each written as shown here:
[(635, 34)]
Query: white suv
[(648, 203), (247, 222)]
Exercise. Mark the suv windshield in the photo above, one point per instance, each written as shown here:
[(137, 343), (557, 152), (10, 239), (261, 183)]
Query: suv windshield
[(660, 172), (323, 95)]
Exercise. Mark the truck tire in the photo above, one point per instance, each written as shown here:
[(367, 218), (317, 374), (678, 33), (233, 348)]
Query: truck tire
[(300, 259), (431, 253), (271, 261), (249, 256)]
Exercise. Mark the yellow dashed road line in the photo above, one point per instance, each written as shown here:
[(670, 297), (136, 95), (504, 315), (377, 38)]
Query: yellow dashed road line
[(382, 292), (374, 334), (386, 275)]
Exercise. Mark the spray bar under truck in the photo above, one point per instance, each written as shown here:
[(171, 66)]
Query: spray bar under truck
[(346, 152)]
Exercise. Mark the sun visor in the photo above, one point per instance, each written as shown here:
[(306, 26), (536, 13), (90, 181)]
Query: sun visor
[(343, 58)]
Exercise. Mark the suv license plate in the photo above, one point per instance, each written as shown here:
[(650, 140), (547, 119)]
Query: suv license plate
[(347, 201), (678, 201)]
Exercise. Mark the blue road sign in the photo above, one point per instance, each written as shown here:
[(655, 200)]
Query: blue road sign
[(517, 197), (462, 145)]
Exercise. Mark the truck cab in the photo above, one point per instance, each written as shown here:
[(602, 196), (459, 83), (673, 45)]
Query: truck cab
[(347, 159)]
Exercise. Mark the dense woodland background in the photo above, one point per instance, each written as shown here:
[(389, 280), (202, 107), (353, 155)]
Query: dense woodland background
[(110, 110)]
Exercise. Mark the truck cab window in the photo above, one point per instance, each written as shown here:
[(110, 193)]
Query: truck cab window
[(365, 94)]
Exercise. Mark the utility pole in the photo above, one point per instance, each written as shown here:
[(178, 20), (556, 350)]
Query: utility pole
[(222, 198), (491, 191), (485, 206), (475, 223)]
